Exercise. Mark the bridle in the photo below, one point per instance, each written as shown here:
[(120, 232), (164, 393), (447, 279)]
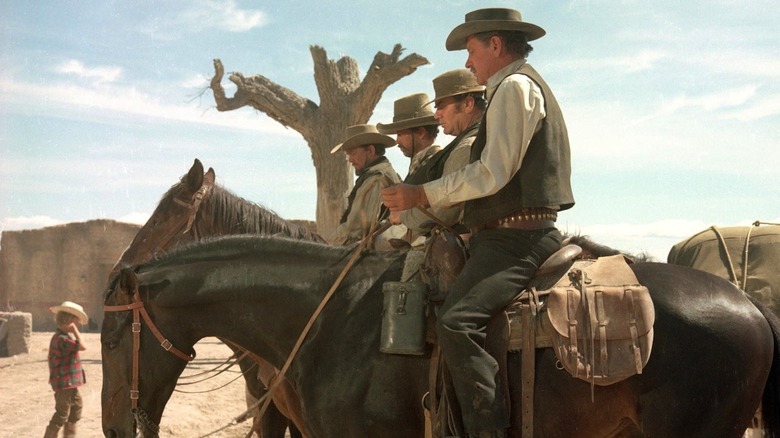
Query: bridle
[(194, 203), (193, 206), (139, 311)]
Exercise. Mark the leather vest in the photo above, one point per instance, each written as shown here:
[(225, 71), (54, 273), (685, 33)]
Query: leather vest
[(544, 177)]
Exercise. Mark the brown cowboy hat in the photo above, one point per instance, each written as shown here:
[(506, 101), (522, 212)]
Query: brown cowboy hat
[(409, 112), (485, 20), (72, 308), (455, 82), (359, 135)]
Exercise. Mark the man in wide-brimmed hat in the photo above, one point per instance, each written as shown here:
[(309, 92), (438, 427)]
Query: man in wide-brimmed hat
[(459, 105), (517, 181), (415, 129), (365, 150)]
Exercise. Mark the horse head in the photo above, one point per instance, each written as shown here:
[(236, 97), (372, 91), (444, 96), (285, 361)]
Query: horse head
[(172, 222), (139, 371)]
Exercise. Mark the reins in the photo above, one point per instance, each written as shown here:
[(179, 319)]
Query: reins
[(376, 229)]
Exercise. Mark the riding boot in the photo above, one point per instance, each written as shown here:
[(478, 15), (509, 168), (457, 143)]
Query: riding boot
[(51, 431), (70, 430)]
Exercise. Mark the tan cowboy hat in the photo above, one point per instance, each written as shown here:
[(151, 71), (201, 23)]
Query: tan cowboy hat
[(359, 135), (73, 309), (485, 20), (409, 112), (455, 82)]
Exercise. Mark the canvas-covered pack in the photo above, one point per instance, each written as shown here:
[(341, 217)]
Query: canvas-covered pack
[(747, 256)]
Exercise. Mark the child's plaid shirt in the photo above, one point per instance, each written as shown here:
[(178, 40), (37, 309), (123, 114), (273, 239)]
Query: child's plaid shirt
[(65, 369)]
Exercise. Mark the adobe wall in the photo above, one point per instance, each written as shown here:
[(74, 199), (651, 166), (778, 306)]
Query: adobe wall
[(43, 267)]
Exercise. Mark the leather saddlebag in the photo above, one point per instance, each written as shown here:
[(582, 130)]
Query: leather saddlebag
[(601, 320)]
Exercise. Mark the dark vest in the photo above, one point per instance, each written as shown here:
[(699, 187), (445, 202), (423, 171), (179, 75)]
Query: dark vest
[(544, 177), (434, 168)]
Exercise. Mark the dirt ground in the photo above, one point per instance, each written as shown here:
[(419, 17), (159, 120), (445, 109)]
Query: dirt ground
[(28, 401)]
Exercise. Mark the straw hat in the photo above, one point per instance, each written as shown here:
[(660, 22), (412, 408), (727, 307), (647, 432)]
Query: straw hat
[(409, 112), (455, 82), (72, 308), (485, 20), (359, 135)]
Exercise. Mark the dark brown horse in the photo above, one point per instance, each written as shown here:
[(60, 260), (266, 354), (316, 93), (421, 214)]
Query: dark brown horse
[(196, 208), (260, 291)]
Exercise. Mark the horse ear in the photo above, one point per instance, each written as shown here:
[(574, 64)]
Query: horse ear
[(128, 284), (195, 176), (209, 177)]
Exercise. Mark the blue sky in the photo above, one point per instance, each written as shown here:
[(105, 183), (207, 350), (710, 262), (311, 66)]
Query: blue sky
[(673, 107)]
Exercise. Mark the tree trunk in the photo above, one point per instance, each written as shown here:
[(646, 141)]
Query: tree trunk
[(344, 101)]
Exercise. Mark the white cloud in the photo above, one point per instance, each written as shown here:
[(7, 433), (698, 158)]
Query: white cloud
[(728, 98), (632, 63), (134, 218), (106, 101), (767, 107), (100, 74), (654, 238), (224, 15), (27, 222), (644, 60), (670, 228)]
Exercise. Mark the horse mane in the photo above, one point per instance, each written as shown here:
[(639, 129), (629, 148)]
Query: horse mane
[(233, 214), (595, 250), (248, 217)]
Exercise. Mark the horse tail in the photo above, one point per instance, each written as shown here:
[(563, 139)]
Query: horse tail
[(770, 403)]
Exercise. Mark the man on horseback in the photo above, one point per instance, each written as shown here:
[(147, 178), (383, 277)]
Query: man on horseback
[(415, 129), (365, 149), (517, 181), (460, 105)]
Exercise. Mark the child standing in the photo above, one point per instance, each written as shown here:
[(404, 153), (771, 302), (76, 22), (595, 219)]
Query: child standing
[(65, 371)]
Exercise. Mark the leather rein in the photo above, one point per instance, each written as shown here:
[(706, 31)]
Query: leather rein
[(139, 311)]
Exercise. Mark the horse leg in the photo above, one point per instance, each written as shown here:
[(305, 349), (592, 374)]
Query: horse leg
[(274, 423), (285, 398)]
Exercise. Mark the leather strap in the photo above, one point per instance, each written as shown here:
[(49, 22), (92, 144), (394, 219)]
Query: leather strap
[(572, 318), (634, 331), (517, 225), (139, 311), (601, 321), (528, 361)]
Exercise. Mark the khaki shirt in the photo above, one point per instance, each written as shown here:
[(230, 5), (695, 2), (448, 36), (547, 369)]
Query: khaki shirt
[(418, 222), (422, 157), (515, 110), (365, 206)]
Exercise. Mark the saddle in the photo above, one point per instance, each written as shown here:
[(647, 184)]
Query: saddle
[(593, 313)]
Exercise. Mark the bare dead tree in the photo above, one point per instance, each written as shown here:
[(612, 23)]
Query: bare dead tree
[(344, 101)]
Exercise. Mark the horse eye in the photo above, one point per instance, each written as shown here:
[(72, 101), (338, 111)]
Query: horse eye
[(110, 344)]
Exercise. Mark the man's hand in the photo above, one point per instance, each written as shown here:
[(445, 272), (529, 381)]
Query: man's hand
[(402, 197), (395, 217)]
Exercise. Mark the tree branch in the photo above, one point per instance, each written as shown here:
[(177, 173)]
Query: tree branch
[(385, 70), (279, 103)]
